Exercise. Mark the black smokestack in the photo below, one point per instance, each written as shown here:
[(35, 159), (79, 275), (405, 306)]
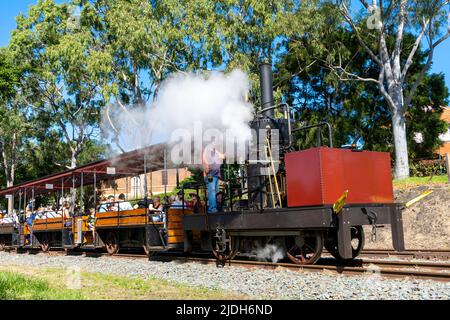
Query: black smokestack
[(266, 81)]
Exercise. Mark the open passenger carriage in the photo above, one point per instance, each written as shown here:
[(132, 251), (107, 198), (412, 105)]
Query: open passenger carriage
[(112, 230)]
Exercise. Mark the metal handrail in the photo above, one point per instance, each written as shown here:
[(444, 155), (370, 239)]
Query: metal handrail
[(321, 124)]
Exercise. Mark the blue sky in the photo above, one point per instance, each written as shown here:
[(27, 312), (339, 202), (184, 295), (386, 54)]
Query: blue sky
[(10, 9)]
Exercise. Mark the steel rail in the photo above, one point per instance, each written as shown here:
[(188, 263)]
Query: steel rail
[(386, 268)]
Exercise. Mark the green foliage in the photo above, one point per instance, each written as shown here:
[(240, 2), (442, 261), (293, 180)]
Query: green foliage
[(420, 181), (356, 110), (67, 70), (14, 286), (426, 168), (9, 76), (425, 117)]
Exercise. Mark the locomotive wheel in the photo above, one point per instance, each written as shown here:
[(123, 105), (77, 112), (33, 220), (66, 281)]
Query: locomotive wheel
[(357, 241), (304, 250), (112, 244), (230, 253), (45, 244)]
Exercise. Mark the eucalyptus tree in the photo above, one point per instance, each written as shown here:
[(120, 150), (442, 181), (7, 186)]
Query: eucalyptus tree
[(381, 20), (148, 41), (65, 69), (13, 124)]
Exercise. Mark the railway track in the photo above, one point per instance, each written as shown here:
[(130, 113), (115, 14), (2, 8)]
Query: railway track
[(439, 254), (427, 270), (386, 268)]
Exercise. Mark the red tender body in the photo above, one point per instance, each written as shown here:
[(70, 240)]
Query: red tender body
[(319, 176)]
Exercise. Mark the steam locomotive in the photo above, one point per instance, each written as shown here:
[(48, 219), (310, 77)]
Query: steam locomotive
[(318, 198), (294, 202)]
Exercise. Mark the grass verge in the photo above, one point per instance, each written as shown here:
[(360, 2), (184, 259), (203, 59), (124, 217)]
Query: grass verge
[(419, 181), (14, 286), (30, 283)]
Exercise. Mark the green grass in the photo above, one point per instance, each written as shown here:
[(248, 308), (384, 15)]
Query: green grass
[(31, 283), (15, 286), (417, 181)]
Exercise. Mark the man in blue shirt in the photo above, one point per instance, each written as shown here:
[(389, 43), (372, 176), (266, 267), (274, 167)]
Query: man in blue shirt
[(212, 160)]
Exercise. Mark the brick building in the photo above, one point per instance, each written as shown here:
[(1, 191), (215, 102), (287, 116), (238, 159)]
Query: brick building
[(445, 148), (133, 187)]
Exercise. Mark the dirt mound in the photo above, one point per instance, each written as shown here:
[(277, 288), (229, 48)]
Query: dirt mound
[(426, 224)]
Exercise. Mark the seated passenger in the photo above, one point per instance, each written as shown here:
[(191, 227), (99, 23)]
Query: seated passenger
[(112, 205), (176, 201), (157, 210), (103, 205), (142, 204), (219, 201), (50, 212), (124, 205), (6, 220), (195, 204)]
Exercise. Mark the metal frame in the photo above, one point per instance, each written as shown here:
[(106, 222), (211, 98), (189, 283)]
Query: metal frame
[(304, 218)]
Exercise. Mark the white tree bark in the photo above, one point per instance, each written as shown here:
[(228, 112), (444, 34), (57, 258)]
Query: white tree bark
[(393, 74), (400, 145)]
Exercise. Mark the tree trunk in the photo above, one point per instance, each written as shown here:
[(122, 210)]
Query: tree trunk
[(10, 183), (73, 192), (400, 144), (73, 162)]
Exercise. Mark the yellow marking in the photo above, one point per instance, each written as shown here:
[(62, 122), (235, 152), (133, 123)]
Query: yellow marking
[(417, 199), (340, 203)]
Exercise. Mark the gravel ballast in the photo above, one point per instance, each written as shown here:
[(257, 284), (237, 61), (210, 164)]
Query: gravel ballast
[(257, 283)]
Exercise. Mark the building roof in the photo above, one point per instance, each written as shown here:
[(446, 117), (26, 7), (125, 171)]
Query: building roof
[(127, 164)]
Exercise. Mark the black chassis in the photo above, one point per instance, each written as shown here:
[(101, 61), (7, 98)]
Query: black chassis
[(284, 221)]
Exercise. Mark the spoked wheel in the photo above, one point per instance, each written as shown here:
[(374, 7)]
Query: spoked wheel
[(357, 241), (226, 253), (45, 244), (112, 244), (305, 249)]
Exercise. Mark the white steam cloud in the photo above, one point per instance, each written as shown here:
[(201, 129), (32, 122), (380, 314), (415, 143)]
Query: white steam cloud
[(185, 103), (270, 252)]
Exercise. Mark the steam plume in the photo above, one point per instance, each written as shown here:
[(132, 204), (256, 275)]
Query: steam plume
[(185, 101)]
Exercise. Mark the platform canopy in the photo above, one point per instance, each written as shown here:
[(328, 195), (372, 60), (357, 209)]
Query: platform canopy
[(128, 164)]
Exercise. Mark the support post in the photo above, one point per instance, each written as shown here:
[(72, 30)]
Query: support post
[(10, 204), (145, 177), (20, 205), (62, 204), (82, 194), (398, 241), (165, 178), (25, 205), (344, 236), (32, 213), (95, 192)]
